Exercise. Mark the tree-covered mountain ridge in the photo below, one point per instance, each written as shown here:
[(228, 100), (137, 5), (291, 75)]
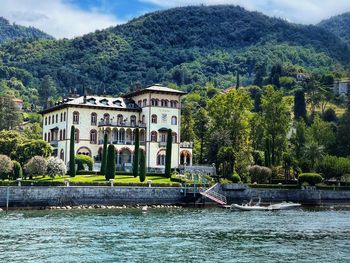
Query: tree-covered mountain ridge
[(12, 31), (338, 25), (188, 46)]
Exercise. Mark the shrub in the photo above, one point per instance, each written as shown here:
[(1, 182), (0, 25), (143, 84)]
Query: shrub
[(310, 178), (56, 167), (17, 170), (333, 166), (36, 166), (235, 178), (6, 166), (260, 174), (81, 160)]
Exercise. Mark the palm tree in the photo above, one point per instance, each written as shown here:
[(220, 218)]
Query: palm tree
[(313, 152)]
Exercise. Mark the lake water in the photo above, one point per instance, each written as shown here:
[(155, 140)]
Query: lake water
[(176, 235)]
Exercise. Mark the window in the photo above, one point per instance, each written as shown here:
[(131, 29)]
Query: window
[(139, 103), (76, 135), (144, 102), (62, 154), (161, 158), (143, 119), (49, 137), (162, 137), (117, 103), (64, 116), (104, 102), (154, 118), (164, 103), (56, 118), (49, 120), (154, 102), (174, 120), (93, 136), (106, 118), (133, 120), (120, 119), (174, 135), (75, 117), (173, 104), (153, 136), (53, 119), (45, 120), (93, 118), (45, 137), (64, 134), (61, 119), (60, 135)]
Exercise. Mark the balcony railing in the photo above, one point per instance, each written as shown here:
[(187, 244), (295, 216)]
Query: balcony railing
[(162, 144), (121, 142), (54, 143), (186, 145), (122, 124)]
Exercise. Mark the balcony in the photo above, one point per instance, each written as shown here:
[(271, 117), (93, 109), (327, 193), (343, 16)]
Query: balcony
[(162, 144), (121, 142), (54, 143), (121, 124), (186, 145)]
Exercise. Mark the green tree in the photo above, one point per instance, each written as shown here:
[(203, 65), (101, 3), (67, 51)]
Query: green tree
[(298, 139), (104, 155), (313, 153), (47, 89), (169, 143), (72, 171), (276, 119), (299, 105), (10, 116), (201, 128), (187, 124), (17, 170), (9, 140), (33, 131), (142, 166), (135, 167), (23, 152), (343, 138), (110, 168), (321, 132)]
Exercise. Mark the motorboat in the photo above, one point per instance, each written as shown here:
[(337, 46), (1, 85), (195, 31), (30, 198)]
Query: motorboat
[(255, 205)]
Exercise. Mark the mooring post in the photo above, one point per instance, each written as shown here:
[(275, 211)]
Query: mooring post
[(7, 198)]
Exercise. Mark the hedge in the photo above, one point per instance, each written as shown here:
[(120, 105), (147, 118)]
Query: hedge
[(310, 178), (81, 160)]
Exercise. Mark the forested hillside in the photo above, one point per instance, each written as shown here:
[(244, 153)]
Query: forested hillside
[(11, 31), (339, 25), (187, 46)]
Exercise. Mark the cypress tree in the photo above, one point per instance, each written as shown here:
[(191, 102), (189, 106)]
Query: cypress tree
[(72, 171), (110, 166), (168, 154), (142, 166), (299, 105), (104, 155), (135, 166)]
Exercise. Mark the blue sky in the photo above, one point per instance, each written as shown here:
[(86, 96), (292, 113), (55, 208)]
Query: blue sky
[(71, 18)]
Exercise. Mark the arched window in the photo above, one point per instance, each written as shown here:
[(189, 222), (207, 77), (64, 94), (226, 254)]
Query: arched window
[(174, 135), (161, 158), (64, 116), (144, 102), (49, 120), (61, 118), (77, 135), (62, 154), (154, 118), (139, 103), (53, 119), (153, 136), (45, 137), (174, 120), (93, 118), (45, 120), (120, 119), (60, 135), (64, 134), (143, 119), (106, 118), (133, 120), (75, 117), (49, 137), (93, 136), (56, 118), (164, 103), (173, 104)]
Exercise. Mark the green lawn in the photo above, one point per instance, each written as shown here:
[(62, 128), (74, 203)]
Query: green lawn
[(121, 179)]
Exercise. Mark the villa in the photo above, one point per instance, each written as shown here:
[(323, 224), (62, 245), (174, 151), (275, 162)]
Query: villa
[(153, 110)]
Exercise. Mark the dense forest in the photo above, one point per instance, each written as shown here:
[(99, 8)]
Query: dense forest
[(11, 31), (339, 25), (186, 47)]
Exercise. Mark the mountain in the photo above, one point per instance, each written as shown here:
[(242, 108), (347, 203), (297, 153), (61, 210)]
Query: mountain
[(188, 46), (338, 25), (10, 32)]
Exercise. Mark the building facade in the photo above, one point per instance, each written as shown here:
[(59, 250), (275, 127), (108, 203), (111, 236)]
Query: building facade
[(153, 110)]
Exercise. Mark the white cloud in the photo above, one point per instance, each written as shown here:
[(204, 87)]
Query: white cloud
[(299, 11), (55, 17)]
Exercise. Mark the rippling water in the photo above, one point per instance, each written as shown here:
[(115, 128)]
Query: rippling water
[(175, 235)]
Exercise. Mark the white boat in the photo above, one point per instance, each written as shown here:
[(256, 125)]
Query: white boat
[(256, 206)]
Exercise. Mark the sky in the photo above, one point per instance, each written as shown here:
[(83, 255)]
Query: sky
[(71, 18)]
